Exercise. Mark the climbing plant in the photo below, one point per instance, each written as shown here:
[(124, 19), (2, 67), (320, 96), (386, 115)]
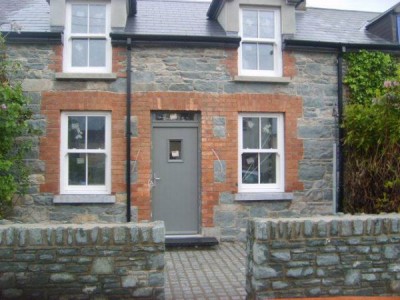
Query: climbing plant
[(14, 125), (366, 74), (372, 134)]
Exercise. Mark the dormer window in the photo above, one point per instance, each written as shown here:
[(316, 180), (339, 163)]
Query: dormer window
[(87, 44), (260, 49)]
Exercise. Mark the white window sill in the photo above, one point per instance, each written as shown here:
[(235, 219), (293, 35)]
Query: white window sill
[(86, 76), (265, 196), (95, 198), (241, 78)]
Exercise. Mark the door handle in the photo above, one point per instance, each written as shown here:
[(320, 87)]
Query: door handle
[(155, 177)]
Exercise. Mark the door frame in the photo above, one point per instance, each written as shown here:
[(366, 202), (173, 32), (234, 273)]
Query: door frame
[(196, 123)]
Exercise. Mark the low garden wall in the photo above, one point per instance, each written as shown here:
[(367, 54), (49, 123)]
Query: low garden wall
[(96, 261), (323, 256)]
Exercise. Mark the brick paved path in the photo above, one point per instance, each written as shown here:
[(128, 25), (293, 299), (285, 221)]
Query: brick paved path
[(211, 273)]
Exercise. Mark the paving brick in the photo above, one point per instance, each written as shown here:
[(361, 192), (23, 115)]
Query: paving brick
[(216, 273)]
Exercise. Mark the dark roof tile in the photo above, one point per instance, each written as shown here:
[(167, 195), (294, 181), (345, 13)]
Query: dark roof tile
[(30, 15), (173, 17), (335, 26)]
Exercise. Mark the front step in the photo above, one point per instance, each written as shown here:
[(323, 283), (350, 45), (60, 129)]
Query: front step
[(196, 241)]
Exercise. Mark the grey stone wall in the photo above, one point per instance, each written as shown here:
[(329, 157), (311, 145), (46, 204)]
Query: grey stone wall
[(191, 69), (325, 256), (37, 77), (95, 261), (316, 84)]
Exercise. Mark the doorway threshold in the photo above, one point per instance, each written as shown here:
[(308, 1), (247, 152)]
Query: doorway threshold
[(183, 241)]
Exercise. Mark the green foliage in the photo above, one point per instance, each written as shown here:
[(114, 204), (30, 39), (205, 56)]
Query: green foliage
[(14, 116), (372, 142), (366, 73)]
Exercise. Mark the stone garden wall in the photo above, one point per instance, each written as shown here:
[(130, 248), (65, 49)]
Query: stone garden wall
[(324, 256), (110, 261)]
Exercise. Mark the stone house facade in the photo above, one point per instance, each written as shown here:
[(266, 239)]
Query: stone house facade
[(229, 110)]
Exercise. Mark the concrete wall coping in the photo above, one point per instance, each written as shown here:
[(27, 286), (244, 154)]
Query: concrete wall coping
[(44, 234), (324, 226)]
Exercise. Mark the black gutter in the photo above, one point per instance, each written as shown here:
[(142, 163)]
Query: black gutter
[(227, 41), (32, 37), (128, 128), (298, 44)]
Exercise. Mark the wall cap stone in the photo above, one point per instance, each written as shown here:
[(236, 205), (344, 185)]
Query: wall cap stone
[(71, 235), (86, 76), (324, 226), (263, 196), (84, 199), (265, 79)]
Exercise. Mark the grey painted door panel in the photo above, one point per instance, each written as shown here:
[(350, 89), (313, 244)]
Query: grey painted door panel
[(175, 176)]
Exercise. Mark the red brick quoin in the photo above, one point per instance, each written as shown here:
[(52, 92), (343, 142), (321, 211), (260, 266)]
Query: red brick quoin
[(209, 105)]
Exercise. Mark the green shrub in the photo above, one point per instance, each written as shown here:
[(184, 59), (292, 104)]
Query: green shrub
[(14, 116), (372, 137), (366, 73)]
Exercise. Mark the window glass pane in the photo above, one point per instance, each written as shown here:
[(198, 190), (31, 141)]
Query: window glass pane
[(97, 19), (96, 132), (268, 167), (175, 116), (76, 132), (251, 133), (250, 24), (77, 169), (249, 56), (97, 50), (269, 133), (267, 25), (175, 150), (79, 52), (250, 168), (79, 19), (266, 53), (96, 169)]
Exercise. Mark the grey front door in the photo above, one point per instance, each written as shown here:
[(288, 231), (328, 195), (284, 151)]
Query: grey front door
[(175, 164)]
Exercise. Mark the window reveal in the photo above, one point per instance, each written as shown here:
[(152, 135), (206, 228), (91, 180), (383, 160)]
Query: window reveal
[(261, 152), (260, 47), (87, 38), (85, 152)]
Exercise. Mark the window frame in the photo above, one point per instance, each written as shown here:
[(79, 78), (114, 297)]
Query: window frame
[(65, 188), (398, 28), (276, 42), (69, 36), (279, 186)]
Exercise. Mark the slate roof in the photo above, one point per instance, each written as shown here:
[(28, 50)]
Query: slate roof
[(335, 26), (189, 18), (31, 15), (173, 17)]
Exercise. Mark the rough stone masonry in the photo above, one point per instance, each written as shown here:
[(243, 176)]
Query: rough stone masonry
[(110, 261), (324, 256)]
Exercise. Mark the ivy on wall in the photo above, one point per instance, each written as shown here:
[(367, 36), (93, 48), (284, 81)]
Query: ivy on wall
[(372, 134), (367, 71), (14, 125)]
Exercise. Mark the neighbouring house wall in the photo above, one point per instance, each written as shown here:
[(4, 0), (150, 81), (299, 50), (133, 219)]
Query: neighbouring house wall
[(70, 261), (194, 79), (323, 256)]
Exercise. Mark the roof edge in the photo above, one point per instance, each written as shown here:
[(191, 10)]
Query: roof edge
[(28, 37), (380, 16), (291, 44), (118, 37), (215, 8)]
